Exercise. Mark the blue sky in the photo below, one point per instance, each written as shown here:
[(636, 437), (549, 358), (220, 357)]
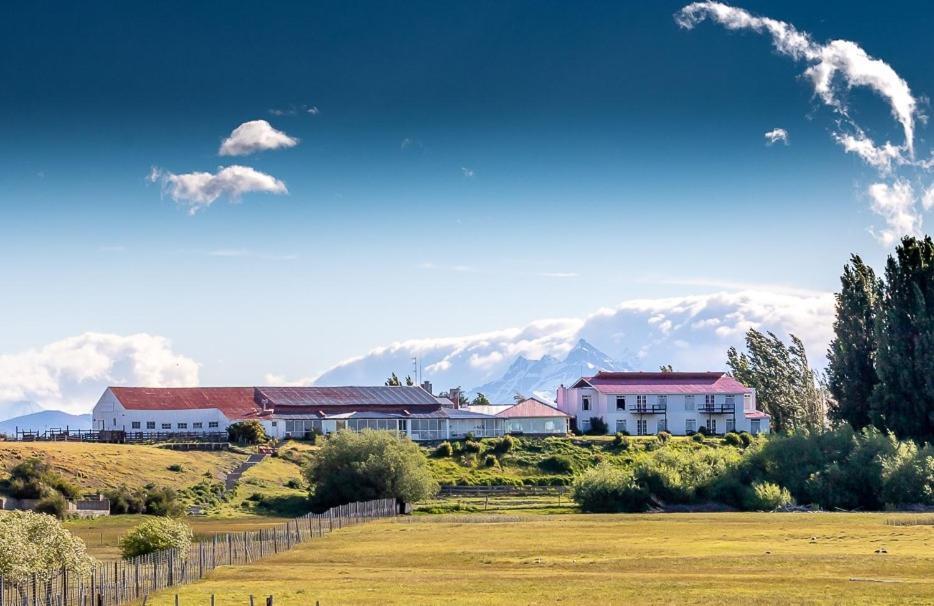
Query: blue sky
[(470, 167)]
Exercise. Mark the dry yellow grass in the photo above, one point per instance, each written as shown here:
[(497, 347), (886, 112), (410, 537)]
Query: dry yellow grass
[(724, 558), (100, 466)]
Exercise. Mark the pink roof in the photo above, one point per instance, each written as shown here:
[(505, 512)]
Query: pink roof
[(663, 383), (530, 409), (234, 402), (756, 414)]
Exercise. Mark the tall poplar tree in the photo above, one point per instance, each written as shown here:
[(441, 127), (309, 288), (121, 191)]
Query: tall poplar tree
[(851, 372), (903, 399)]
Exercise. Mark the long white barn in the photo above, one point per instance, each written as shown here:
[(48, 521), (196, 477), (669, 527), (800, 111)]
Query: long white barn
[(290, 411), (645, 403)]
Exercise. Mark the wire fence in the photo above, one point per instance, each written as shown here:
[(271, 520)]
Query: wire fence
[(125, 581)]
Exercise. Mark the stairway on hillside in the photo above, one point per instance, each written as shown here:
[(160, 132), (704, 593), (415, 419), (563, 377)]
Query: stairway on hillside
[(234, 476)]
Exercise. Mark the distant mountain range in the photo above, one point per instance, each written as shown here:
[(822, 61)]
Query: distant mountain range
[(543, 376), (42, 421)]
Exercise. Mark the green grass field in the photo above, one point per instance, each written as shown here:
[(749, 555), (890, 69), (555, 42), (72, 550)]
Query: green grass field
[(722, 558)]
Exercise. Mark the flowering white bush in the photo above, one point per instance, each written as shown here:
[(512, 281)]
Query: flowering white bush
[(155, 535), (36, 543)]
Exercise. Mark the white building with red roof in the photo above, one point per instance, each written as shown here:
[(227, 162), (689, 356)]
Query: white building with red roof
[(646, 403), (288, 411)]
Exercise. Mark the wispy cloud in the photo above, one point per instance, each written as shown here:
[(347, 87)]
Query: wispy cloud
[(255, 136), (776, 135), (558, 274), (468, 172), (834, 68), (200, 189), (243, 252), (294, 110), (455, 268)]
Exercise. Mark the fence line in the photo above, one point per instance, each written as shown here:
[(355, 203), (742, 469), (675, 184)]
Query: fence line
[(123, 581)]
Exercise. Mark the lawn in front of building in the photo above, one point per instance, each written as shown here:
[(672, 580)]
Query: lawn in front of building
[(715, 558)]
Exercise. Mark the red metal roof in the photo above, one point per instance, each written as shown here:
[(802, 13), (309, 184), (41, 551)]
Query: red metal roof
[(663, 383), (233, 402), (530, 408)]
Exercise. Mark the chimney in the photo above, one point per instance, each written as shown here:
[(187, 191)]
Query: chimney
[(454, 394), (427, 387)]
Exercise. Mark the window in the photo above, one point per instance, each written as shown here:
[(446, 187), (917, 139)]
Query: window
[(212, 424), (754, 427), (621, 426), (620, 402), (709, 400), (115, 422), (274, 423), (135, 424), (712, 426), (183, 425), (730, 425), (663, 401), (690, 426), (640, 401), (688, 403), (585, 424), (150, 424), (585, 403), (166, 426), (661, 426), (642, 427), (731, 402), (197, 425)]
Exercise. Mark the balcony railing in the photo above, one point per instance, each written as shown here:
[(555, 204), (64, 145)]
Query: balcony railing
[(717, 408), (648, 408)]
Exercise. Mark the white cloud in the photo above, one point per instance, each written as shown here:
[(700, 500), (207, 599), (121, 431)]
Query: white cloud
[(837, 60), (927, 199), (274, 380), (775, 135), (468, 172), (72, 373), (896, 204), (882, 157), (199, 190), (645, 333), (294, 110), (255, 136)]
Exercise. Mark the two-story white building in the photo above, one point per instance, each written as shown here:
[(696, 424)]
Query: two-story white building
[(645, 403)]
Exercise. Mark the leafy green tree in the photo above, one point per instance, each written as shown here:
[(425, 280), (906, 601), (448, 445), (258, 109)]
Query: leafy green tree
[(480, 400), (369, 465), (393, 381), (37, 544), (786, 387), (851, 371), (155, 535), (408, 381), (247, 432), (903, 399)]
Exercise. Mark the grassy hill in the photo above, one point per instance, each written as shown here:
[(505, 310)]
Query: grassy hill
[(100, 466)]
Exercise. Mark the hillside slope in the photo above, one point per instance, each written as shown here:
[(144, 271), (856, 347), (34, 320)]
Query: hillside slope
[(44, 420), (99, 466)]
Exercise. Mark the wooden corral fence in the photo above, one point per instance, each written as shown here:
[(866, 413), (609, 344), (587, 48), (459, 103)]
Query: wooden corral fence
[(119, 436), (121, 582), (490, 491)]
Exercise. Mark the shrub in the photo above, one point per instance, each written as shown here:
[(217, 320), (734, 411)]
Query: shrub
[(746, 438), (663, 437), (504, 445), (123, 500), (177, 468), (768, 497), (162, 501), (557, 464), (22, 556), (55, 505), (608, 489), (247, 432), (444, 450), (908, 476), (702, 430), (620, 441), (732, 439), (472, 446), (293, 483), (369, 465), (35, 479), (155, 535), (698, 437), (598, 427), (489, 460)]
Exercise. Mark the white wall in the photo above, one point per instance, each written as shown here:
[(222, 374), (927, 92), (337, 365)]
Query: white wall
[(679, 411), (109, 413)]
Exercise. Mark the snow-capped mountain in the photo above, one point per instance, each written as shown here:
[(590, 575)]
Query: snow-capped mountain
[(541, 377)]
